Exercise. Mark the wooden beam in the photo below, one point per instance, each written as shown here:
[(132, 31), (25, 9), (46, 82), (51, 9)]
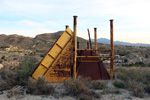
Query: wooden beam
[(102, 50), (93, 56)]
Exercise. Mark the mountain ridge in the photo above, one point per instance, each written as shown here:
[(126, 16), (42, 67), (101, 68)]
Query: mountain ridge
[(107, 41)]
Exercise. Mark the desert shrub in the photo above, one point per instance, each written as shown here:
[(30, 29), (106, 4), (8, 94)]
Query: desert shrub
[(146, 78), (119, 84), (3, 58), (9, 77), (146, 56), (117, 92), (140, 63), (126, 60), (25, 69), (138, 75), (1, 61), (137, 80), (18, 75), (147, 89), (39, 87), (85, 97), (137, 89), (124, 53), (99, 84), (76, 86), (122, 74), (3, 47)]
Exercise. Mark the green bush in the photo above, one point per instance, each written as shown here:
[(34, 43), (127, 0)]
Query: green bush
[(25, 69), (3, 58), (119, 84)]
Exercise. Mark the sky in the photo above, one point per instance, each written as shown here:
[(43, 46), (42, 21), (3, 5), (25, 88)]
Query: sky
[(32, 17)]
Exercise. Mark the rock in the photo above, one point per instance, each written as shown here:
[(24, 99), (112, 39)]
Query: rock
[(1, 66)]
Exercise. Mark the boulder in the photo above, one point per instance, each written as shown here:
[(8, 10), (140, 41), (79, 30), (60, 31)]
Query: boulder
[(1, 66)]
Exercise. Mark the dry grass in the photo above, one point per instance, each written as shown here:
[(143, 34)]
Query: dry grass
[(99, 85), (39, 87), (76, 86), (9, 78), (137, 80), (137, 89), (119, 84)]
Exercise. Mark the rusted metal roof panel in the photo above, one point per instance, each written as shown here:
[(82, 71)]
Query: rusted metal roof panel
[(89, 68)]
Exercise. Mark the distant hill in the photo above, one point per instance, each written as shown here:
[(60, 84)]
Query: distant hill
[(107, 41), (39, 42)]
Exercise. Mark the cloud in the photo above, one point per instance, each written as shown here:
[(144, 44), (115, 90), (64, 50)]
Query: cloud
[(28, 23), (51, 23), (130, 16)]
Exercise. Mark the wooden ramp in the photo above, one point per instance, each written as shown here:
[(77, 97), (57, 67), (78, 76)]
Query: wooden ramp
[(56, 65)]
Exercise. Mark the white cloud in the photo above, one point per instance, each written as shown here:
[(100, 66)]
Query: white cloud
[(28, 23), (129, 15), (51, 23)]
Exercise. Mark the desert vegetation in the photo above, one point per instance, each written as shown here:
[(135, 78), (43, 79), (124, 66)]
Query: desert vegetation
[(134, 80), (20, 75), (131, 75)]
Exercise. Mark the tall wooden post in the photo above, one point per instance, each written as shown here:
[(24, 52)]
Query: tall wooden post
[(112, 50), (95, 36), (87, 45), (74, 46), (89, 39), (78, 43)]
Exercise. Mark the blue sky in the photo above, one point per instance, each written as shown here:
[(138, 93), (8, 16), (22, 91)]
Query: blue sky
[(32, 17)]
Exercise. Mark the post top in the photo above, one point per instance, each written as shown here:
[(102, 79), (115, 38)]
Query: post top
[(111, 19), (67, 26), (75, 16)]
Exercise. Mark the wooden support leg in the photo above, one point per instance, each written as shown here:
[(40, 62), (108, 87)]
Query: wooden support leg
[(75, 47), (112, 50)]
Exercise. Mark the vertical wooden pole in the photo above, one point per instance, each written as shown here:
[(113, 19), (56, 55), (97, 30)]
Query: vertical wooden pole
[(78, 44), (87, 45), (89, 39), (75, 46), (112, 50), (95, 36)]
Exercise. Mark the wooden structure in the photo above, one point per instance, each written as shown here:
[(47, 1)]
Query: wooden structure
[(56, 65), (64, 60)]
